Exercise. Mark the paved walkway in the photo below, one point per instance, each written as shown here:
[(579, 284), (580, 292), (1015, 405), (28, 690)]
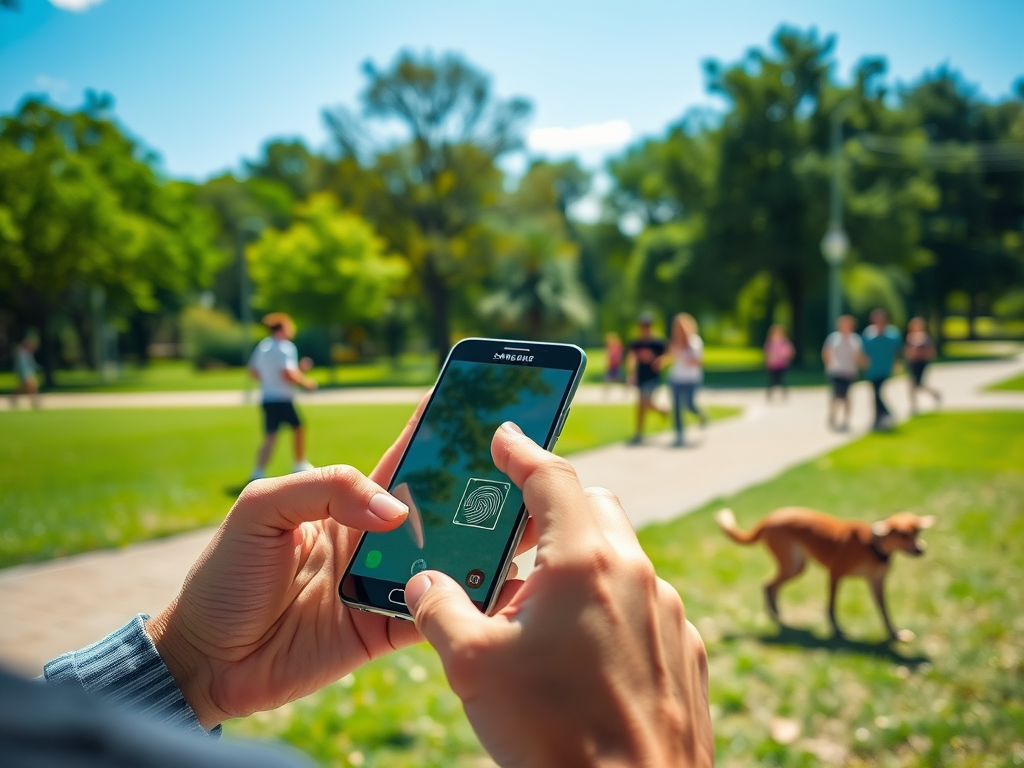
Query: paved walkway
[(53, 607)]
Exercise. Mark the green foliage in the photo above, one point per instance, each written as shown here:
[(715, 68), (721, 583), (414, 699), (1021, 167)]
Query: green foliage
[(328, 268), (82, 207), (211, 338)]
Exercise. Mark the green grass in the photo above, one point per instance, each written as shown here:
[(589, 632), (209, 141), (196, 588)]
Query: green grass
[(1015, 384), (182, 376), (77, 480), (954, 697)]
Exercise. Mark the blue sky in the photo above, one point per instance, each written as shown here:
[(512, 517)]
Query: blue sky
[(206, 82)]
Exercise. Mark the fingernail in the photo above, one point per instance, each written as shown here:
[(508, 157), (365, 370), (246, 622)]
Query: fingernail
[(511, 426), (387, 507), (416, 589)]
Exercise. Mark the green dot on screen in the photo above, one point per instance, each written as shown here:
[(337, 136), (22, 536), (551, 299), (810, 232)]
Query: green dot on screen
[(373, 558)]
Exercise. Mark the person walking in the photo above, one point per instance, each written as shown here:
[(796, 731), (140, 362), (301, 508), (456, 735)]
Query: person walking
[(644, 364), (25, 368), (778, 354), (613, 354), (685, 358), (843, 355), (275, 364), (919, 351), (882, 344)]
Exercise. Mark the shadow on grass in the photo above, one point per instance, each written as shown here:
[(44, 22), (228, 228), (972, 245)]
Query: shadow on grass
[(790, 637), (234, 491)]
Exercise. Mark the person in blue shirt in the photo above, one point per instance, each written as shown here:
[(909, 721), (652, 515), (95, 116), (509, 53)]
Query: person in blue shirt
[(258, 623), (882, 344)]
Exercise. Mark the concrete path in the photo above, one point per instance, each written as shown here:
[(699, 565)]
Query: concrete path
[(65, 604)]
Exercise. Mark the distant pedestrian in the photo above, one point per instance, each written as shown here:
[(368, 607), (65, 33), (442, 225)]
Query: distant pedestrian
[(613, 353), (644, 364), (882, 344), (25, 368), (275, 364), (686, 370), (843, 355), (778, 354), (919, 351)]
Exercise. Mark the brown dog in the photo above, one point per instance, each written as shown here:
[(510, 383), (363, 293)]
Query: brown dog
[(844, 547)]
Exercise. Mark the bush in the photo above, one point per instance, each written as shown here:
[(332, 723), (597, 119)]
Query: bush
[(213, 339)]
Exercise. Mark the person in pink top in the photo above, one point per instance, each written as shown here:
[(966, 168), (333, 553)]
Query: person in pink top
[(778, 354)]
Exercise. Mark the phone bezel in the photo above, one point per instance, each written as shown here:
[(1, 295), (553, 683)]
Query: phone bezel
[(478, 350)]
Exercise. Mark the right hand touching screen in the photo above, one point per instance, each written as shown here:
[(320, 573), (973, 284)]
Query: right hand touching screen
[(591, 661)]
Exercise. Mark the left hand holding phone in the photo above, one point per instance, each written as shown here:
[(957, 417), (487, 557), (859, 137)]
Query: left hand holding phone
[(258, 622)]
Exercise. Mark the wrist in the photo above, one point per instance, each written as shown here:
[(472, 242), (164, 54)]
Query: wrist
[(189, 667)]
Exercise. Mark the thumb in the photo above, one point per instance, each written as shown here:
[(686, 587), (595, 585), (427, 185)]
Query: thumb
[(445, 616)]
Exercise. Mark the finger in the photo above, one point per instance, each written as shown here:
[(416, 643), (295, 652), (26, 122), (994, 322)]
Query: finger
[(340, 491), (551, 489), (388, 463), (444, 615), (612, 519), (529, 538), (507, 594)]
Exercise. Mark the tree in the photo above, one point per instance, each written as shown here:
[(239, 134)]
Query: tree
[(436, 185), (974, 233), (328, 268), (81, 207)]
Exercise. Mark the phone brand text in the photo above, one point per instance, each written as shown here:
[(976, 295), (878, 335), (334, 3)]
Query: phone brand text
[(508, 357)]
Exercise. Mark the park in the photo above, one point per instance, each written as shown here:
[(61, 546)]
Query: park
[(804, 186)]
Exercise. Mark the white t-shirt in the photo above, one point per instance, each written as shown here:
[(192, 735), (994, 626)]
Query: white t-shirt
[(845, 352), (270, 359), (687, 366)]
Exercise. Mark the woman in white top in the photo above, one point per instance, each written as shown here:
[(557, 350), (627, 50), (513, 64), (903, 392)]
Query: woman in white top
[(686, 372)]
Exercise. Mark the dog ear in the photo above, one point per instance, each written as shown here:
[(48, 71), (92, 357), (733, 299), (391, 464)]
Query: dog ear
[(881, 528), (923, 523)]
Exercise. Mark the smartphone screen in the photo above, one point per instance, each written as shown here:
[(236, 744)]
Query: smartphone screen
[(464, 514)]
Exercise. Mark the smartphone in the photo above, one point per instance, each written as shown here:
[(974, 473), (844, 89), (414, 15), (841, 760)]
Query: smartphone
[(465, 517)]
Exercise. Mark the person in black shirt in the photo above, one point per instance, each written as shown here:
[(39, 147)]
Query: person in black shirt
[(644, 362)]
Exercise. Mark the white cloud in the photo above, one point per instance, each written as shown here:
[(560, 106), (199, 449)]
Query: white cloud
[(76, 6), (613, 133), (53, 85)]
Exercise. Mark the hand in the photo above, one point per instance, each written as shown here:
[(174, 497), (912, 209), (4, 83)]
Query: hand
[(591, 661), (258, 621), (310, 384)]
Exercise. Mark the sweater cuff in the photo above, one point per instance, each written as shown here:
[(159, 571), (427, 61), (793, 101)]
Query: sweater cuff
[(125, 670)]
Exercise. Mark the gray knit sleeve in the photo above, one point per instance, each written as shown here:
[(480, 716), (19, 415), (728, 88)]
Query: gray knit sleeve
[(125, 670)]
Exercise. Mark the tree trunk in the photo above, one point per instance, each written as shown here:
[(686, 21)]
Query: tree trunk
[(437, 300), (795, 293), (47, 352), (141, 334), (972, 315)]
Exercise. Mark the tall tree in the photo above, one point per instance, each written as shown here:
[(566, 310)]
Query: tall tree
[(438, 183), (81, 207)]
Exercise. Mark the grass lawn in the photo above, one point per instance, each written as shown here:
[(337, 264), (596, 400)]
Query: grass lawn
[(76, 480), (1016, 384), (953, 697)]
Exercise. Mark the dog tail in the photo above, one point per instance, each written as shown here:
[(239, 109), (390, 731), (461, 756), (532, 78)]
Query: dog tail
[(727, 522)]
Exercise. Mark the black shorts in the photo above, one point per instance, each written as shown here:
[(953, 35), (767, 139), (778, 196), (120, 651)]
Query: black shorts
[(777, 377), (276, 414), (916, 370), (840, 387)]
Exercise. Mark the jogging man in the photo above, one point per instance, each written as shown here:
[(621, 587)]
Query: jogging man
[(275, 365)]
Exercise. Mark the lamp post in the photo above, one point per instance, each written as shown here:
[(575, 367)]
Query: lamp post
[(249, 227), (835, 244)]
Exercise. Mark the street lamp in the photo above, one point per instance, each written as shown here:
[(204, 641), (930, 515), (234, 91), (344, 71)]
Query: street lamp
[(835, 244), (249, 227)]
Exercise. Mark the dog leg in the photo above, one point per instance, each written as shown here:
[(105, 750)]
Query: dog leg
[(833, 588), (878, 592), (791, 562)]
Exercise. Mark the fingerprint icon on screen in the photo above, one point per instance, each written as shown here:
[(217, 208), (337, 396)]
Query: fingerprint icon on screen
[(481, 503)]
